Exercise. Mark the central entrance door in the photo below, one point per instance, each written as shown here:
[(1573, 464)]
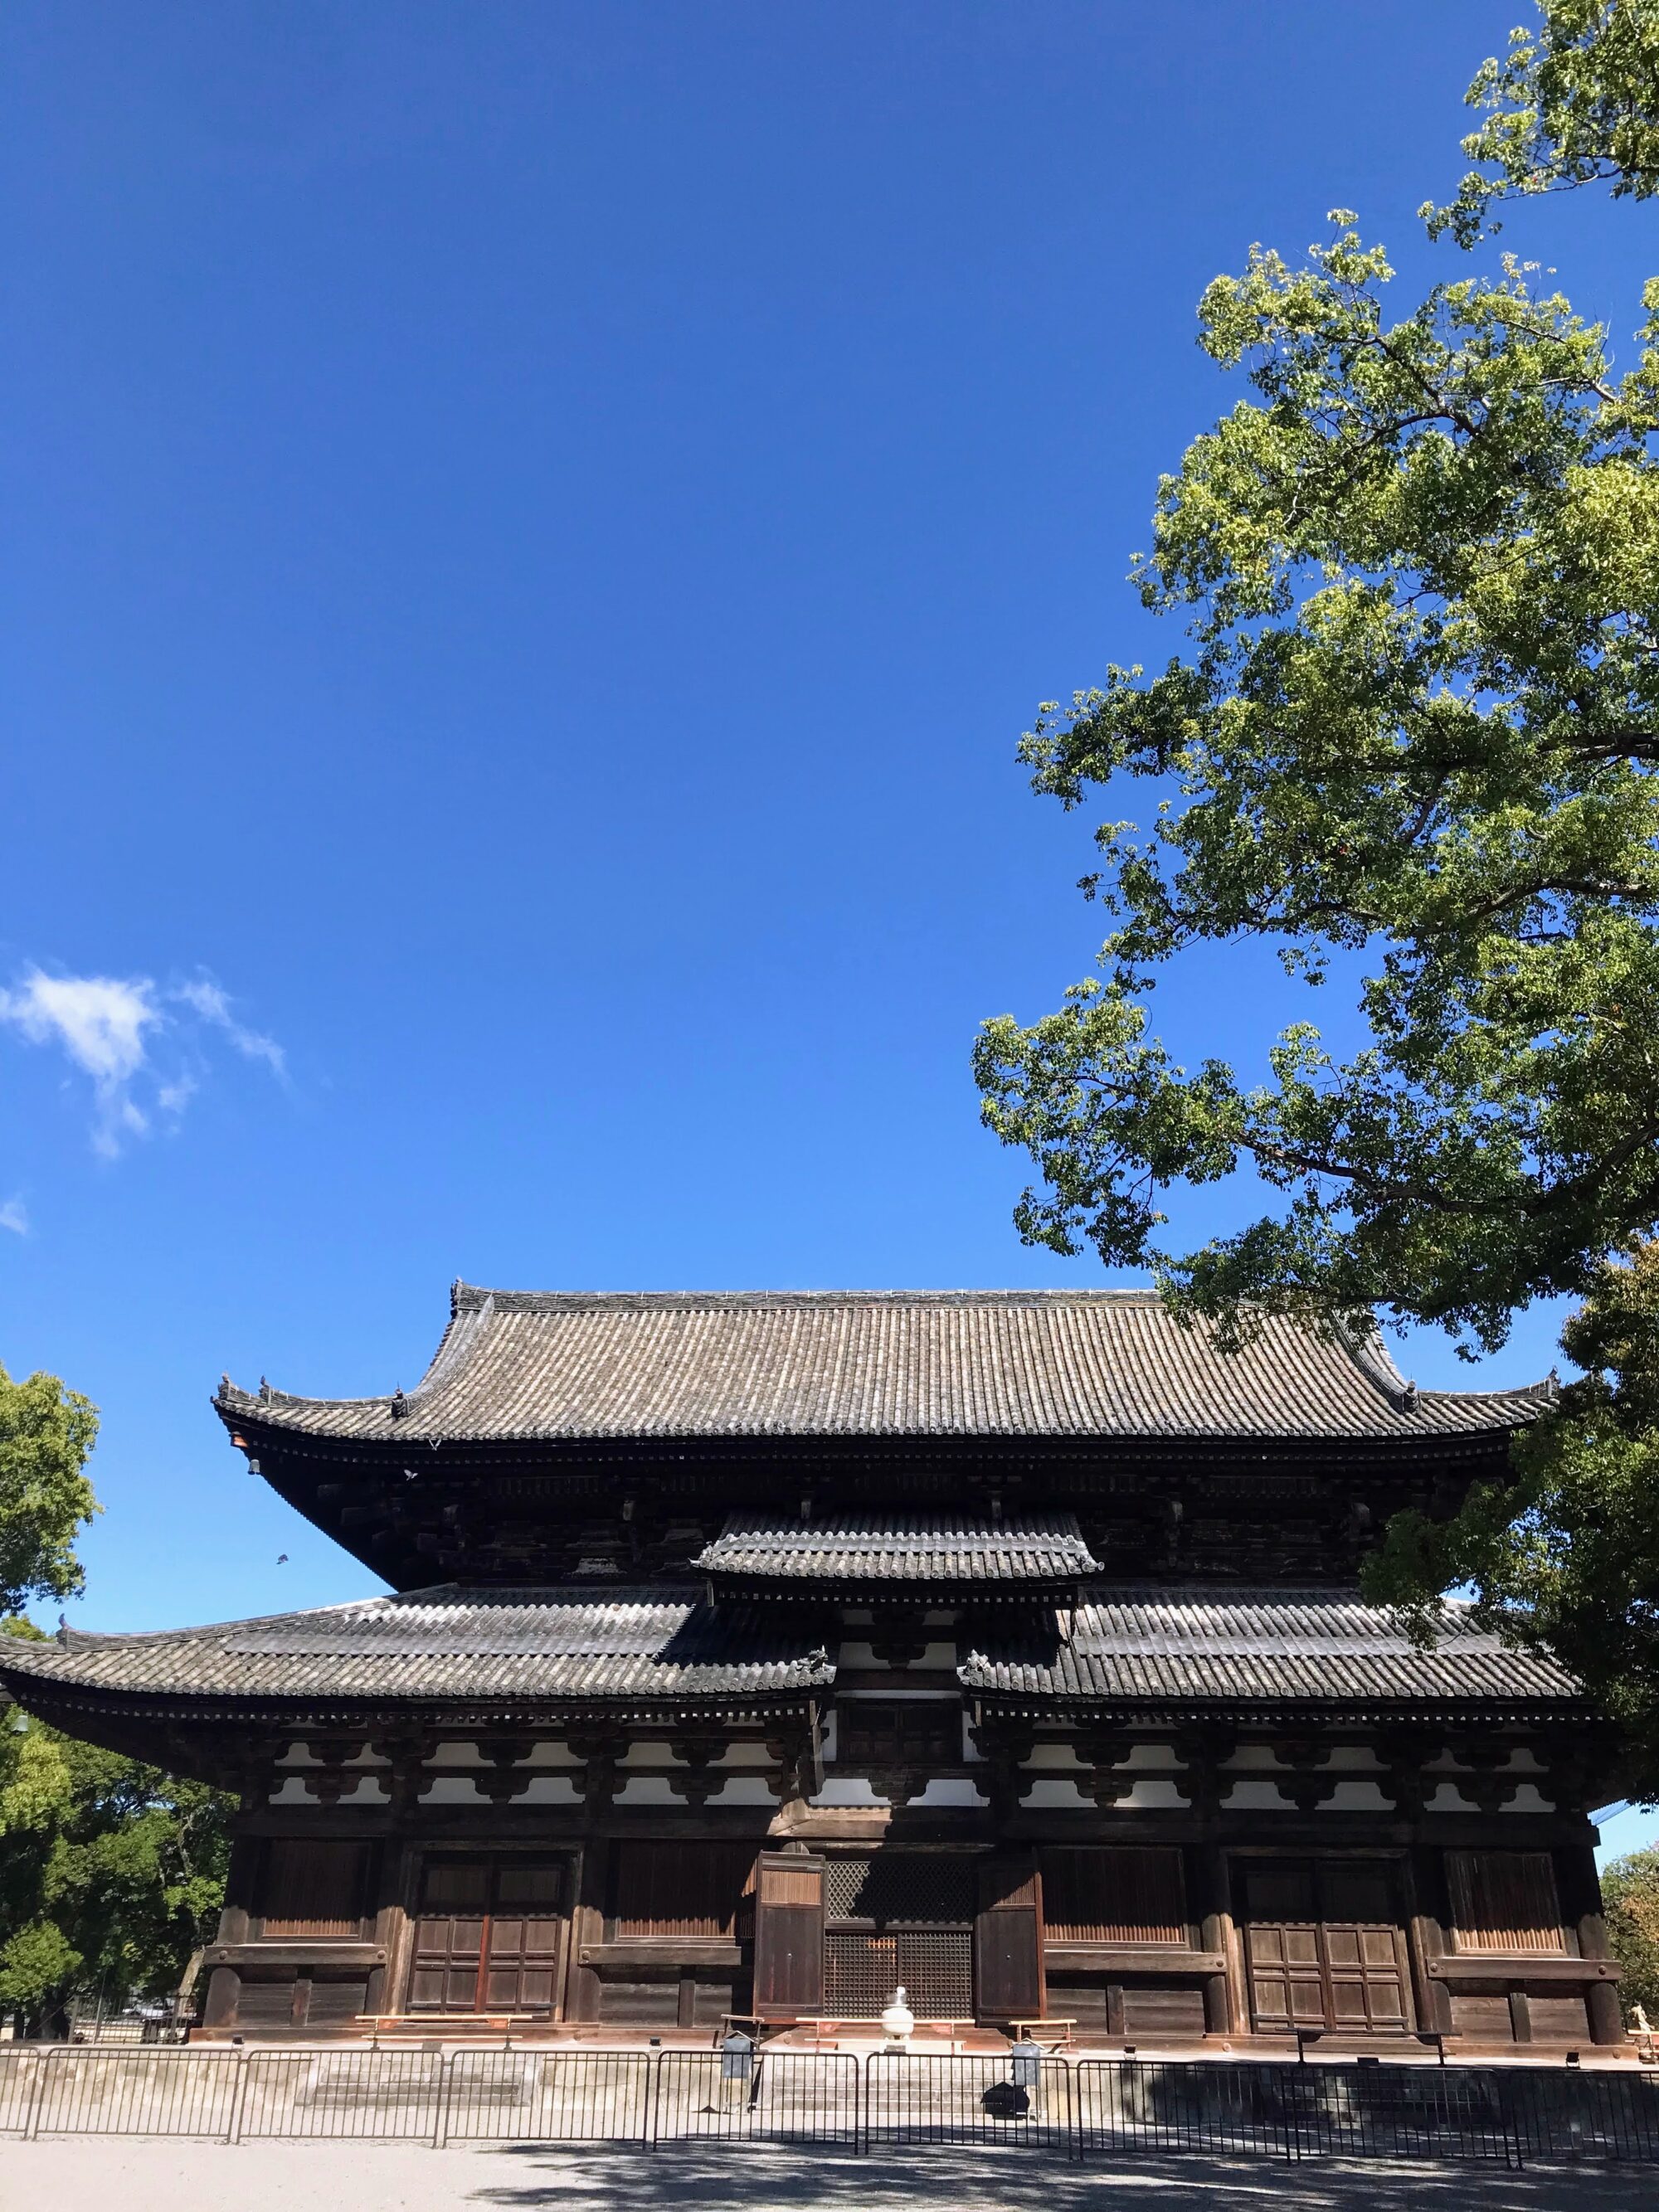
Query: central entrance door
[(486, 1935), (899, 1916), (1324, 1945)]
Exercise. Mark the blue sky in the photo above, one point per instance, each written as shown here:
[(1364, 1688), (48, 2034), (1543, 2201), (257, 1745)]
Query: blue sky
[(533, 531)]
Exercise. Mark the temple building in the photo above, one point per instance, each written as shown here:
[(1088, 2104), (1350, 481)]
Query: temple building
[(751, 1654)]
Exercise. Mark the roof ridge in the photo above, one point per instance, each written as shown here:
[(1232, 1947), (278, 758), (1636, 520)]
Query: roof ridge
[(468, 1297)]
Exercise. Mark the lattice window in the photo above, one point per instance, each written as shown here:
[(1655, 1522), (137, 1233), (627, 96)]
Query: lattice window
[(926, 1732), (681, 1889), (918, 1889), (312, 1887), (934, 1966), (1504, 1901), (1113, 1894)]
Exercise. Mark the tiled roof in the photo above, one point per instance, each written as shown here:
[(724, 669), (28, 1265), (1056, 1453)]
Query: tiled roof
[(560, 1646), (910, 1548), (522, 1365), (653, 1649), (1272, 1647)]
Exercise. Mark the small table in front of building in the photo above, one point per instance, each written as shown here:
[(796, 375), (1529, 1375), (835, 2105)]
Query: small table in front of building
[(436, 2024), (1028, 2030)]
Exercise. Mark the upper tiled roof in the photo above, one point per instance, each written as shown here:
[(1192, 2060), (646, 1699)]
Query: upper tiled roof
[(1262, 1647), (901, 1548), (558, 1646), (566, 1365)]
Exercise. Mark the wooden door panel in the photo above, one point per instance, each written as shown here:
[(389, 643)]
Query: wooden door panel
[(487, 1953), (1008, 1941), (1336, 1962), (788, 1935), (523, 1960)]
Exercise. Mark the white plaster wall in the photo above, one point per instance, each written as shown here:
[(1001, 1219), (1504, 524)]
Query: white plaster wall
[(453, 1789), (742, 1790), (1154, 1793), (550, 1789), (848, 1790), (950, 1790), (1056, 1794), (1448, 1798), (1356, 1797), (1528, 1799), (368, 1790), (1049, 1758), (647, 1789), (298, 1755), (1247, 1796)]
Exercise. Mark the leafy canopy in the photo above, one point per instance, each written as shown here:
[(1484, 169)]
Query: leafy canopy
[(1415, 732), (47, 1435), (1414, 737), (1565, 1555), (1630, 1893), (1575, 101), (111, 1873)]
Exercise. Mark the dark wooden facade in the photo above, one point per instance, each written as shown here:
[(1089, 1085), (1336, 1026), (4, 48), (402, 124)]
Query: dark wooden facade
[(757, 1656)]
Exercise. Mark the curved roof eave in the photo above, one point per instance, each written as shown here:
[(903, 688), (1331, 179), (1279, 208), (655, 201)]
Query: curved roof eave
[(607, 1367)]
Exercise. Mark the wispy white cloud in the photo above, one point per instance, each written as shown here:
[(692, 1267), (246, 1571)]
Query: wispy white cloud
[(138, 1043), (212, 1003), (13, 1215)]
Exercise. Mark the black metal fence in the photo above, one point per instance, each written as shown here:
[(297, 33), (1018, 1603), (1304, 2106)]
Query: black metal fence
[(1013, 2097), (778, 2096), (1081, 2108)]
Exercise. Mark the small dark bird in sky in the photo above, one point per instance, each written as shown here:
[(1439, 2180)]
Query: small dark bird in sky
[(282, 1559)]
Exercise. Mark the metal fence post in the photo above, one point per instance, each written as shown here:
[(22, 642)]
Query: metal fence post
[(441, 2121), (652, 2103), (233, 2129), (37, 2097)]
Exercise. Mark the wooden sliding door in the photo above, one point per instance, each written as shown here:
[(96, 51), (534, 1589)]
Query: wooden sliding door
[(486, 1935), (1324, 1944)]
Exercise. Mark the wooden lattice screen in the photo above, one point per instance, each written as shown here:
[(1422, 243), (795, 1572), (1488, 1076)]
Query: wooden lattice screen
[(1504, 1901), (309, 1887), (1114, 1894), (681, 1889)]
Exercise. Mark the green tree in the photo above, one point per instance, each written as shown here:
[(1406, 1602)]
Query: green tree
[(46, 1436), (1565, 1554), (1411, 744), (1415, 736), (1575, 101), (111, 1872), (1630, 1893)]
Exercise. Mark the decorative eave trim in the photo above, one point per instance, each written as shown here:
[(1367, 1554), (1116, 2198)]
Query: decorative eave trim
[(1275, 1712)]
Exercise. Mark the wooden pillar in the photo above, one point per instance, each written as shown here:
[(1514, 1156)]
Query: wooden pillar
[(593, 1868), (224, 1991), (1211, 1904), (1580, 1889), (240, 1875), (388, 1983), (1425, 1875)]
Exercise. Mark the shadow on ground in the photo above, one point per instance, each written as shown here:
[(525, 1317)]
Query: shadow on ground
[(755, 2178)]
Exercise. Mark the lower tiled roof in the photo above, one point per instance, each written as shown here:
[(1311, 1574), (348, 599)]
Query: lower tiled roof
[(922, 1548), (656, 1648), (560, 1646), (1273, 1647)]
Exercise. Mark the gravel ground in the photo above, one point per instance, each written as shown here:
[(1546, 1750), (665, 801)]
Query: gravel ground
[(124, 2174)]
